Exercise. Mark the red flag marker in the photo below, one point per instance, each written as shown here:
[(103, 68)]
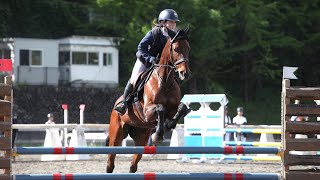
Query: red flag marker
[(6, 65)]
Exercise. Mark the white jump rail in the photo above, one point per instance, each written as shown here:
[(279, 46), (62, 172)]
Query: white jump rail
[(106, 126), (69, 126)]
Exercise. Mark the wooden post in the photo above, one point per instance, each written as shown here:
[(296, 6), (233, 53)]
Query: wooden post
[(284, 118), (301, 150), (6, 128)]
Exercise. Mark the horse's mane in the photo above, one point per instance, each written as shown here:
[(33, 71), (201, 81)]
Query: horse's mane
[(182, 34)]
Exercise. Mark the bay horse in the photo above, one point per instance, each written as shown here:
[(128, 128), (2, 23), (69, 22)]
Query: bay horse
[(159, 106)]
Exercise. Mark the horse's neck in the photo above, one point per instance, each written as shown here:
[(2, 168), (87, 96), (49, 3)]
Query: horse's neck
[(164, 72)]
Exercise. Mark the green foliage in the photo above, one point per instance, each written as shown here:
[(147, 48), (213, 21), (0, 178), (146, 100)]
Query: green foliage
[(237, 47), (42, 19)]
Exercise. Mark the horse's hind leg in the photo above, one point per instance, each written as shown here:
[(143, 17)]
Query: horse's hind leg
[(140, 137), (114, 138)]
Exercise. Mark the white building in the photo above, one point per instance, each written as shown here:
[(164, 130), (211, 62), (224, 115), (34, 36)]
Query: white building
[(80, 60)]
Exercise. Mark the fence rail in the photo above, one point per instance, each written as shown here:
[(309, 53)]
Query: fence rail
[(148, 150), (152, 176)]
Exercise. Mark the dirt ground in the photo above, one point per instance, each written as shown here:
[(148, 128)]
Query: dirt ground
[(31, 164)]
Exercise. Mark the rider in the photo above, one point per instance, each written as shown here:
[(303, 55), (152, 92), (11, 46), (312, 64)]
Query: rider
[(149, 51)]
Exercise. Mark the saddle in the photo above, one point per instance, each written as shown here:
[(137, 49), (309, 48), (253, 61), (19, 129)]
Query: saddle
[(137, 92), (138, 87)]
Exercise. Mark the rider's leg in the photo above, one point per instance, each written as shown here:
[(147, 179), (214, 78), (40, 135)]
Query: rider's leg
[(122, 106)]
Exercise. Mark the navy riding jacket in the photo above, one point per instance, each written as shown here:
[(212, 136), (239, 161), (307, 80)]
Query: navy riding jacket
[(151, 46)]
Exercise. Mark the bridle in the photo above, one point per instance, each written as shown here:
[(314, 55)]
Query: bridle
[(174, 63)]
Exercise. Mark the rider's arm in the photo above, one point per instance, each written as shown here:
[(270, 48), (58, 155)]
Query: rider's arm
[(143, 47)]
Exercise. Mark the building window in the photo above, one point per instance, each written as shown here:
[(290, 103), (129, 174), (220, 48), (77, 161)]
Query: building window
[(24, 57), (36, 58), (79, 58), (5, 54), (93, 58), (30, 57), (64, 58), (107, 59)]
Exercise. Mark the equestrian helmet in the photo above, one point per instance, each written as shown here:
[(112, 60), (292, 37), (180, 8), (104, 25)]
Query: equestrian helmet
[(240, 109), (168, 14), (50, 115)]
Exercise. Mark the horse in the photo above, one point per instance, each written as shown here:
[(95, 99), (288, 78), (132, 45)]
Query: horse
[(159, 106)]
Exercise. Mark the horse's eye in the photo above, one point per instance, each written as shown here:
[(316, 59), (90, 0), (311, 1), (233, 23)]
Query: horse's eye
[(176, 49)]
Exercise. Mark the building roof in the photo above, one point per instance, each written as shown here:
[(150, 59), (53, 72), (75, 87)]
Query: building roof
[(75, 40), (91, 40)]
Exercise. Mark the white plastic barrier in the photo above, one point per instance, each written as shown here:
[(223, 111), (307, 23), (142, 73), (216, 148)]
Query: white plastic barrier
[(204, 127), (78, 139), (175, 142), (266, 138), (52, 139)]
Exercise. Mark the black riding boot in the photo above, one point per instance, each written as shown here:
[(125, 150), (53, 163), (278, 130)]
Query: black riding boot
[(122, 106)]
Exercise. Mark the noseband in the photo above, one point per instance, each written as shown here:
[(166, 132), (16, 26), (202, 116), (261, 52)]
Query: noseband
[(174, 63)]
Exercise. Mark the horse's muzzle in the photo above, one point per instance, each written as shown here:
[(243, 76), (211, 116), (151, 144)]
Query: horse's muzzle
[(183, 75)]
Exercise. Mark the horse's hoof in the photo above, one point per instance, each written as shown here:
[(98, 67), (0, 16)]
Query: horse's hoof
[(133, 169), (156, 139), (108, 170)]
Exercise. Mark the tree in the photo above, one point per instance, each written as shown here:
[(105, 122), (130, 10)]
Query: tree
[(42, 19)]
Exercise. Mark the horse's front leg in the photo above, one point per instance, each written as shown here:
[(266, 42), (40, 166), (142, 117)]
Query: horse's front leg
[(158, 135), (114, 138), (140, 138), (183, 110)]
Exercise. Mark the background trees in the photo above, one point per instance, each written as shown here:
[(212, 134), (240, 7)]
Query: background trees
[(238, 47)]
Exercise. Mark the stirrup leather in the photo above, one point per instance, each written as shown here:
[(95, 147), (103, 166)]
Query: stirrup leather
[(121, 107)]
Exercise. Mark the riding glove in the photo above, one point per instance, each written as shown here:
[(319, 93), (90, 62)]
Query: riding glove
[(154, 60)]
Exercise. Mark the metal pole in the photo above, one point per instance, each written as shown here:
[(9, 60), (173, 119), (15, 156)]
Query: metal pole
[(65, 122)]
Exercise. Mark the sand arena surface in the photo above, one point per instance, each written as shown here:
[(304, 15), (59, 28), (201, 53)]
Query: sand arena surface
[(31, 164)]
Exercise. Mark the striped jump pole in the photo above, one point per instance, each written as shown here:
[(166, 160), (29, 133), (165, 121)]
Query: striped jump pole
[(233, 143), (152, 176), (254, 131), (148, 150), (251, 158)]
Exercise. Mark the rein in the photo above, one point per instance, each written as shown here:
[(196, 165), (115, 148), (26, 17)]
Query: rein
[(174, 66)]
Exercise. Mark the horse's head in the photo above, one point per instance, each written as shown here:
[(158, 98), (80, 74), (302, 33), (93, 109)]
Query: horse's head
[(179, 52)]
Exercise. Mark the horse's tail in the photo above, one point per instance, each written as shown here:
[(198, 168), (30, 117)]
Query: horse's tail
[(107, 140)]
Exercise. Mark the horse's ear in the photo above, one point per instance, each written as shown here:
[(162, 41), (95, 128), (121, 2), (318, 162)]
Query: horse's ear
[(186, 30), (171, 33)]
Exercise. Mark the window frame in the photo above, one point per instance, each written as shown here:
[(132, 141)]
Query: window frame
[(70, 57), (107, 58), (2, 53), (87, 57), (30, 57), (97, 53)]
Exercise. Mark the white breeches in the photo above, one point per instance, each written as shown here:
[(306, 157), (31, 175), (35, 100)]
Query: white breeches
[(137, 68)]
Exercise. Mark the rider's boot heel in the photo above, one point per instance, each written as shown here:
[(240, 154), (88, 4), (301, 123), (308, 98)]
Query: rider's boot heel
[(121, 108)]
